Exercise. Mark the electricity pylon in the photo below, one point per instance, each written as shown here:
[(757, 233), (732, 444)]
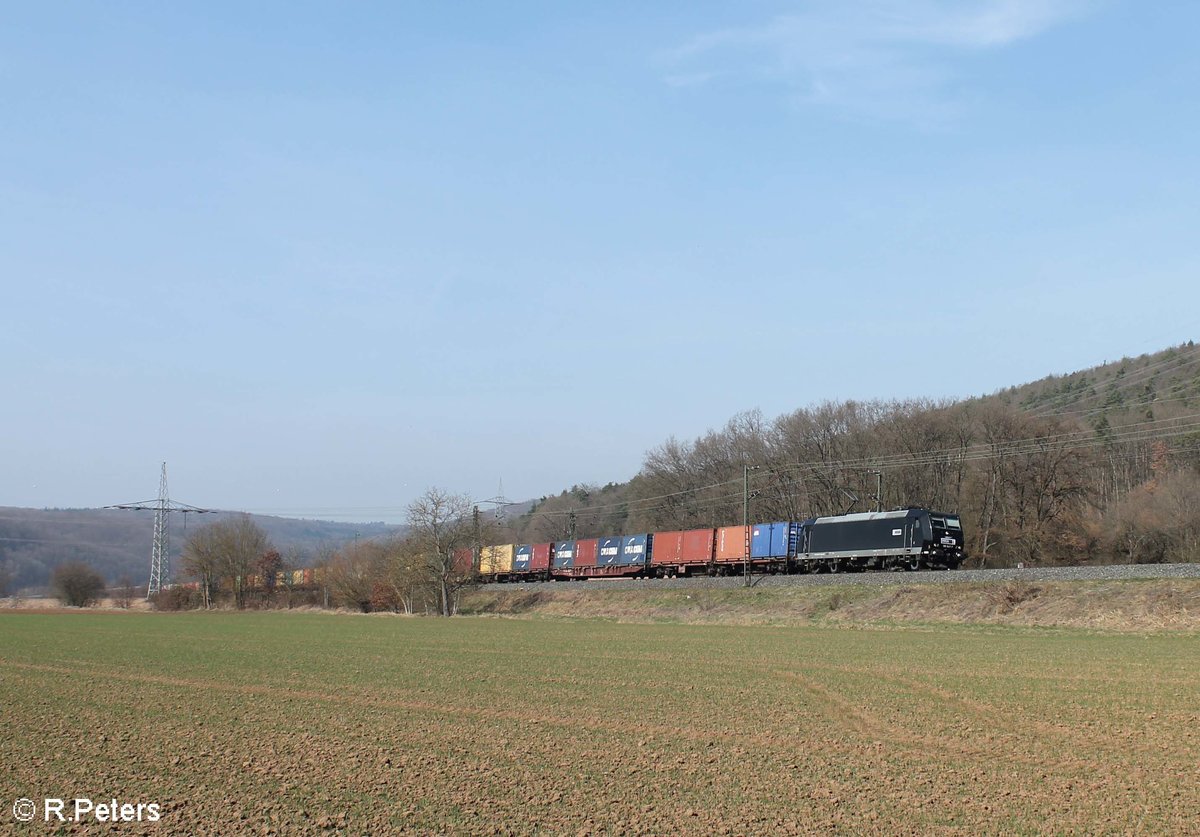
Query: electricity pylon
[(499, 501), (160, 570)]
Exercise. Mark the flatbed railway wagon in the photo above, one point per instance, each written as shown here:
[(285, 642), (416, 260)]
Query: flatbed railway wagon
[(531, 562), (496, 562), (723, 551), (683, 553), (774, 546), (618, 556), (574, 559)]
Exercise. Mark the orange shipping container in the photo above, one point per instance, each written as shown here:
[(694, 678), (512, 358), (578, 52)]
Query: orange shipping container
[(695, 546), (731, 543)]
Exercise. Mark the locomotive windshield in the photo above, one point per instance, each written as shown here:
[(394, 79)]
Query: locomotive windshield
[(943, 523)]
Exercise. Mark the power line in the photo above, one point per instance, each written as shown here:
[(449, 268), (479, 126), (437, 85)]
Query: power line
[(1139, 375), (1009, 447), (1081, 439), (1156, 402)]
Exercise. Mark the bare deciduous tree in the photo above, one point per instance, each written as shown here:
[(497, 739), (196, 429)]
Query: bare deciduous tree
[(124, 592), (202, 561), (227, 549), (242, 544), (350, 574), (441, 524), (269, 565), (403, 575)]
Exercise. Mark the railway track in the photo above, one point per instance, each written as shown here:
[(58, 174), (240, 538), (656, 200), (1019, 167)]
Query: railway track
[(1114, 572)]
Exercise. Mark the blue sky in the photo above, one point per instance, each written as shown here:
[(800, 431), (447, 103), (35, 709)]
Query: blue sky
[(318, 257)]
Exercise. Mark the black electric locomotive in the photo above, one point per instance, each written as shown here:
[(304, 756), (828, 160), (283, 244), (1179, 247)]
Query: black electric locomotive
[(905, 539)]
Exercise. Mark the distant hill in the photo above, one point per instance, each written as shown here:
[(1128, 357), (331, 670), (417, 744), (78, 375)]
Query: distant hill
[(117, 543)]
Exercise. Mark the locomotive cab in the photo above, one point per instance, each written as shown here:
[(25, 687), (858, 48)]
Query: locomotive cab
[(943, 541)]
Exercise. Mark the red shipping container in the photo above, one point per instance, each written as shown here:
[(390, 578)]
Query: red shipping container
[(731, 543), (541, 556), (695, 546), (668, 546), (585, 552), (464, 560)]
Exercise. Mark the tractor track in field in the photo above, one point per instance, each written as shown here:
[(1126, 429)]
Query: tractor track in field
[(1025, 734), (1022, 726), (615, 724)]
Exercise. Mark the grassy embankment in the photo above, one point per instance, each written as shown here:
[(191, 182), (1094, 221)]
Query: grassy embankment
[(1153, 604)]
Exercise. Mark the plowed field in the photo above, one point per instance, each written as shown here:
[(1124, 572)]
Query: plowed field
[(309, 723)]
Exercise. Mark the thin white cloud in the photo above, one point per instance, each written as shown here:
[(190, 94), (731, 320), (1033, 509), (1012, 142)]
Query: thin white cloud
[(881, 59)]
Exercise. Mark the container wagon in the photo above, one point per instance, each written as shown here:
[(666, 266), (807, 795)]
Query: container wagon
[(531, 562), (774, 546), (496, 562), (683, 553), (618, 556), (574, 559)]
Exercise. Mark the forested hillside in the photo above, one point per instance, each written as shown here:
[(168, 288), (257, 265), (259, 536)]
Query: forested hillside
[(1101, 465)]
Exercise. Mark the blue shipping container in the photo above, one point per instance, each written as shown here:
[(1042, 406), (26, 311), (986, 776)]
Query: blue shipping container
[(564, 555), (774, 540), (522, 558), (634, 550), (608, 552)]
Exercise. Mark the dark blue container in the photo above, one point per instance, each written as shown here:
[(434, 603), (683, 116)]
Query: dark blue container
[(608, 552), (522, 558), (635, 550), (564, 555), (774, 540)]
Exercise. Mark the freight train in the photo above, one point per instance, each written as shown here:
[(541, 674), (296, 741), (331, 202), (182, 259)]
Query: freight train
[(904, 539)]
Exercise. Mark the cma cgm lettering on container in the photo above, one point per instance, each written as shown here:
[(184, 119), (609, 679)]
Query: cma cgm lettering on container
[(609, 552), (911, 538)]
